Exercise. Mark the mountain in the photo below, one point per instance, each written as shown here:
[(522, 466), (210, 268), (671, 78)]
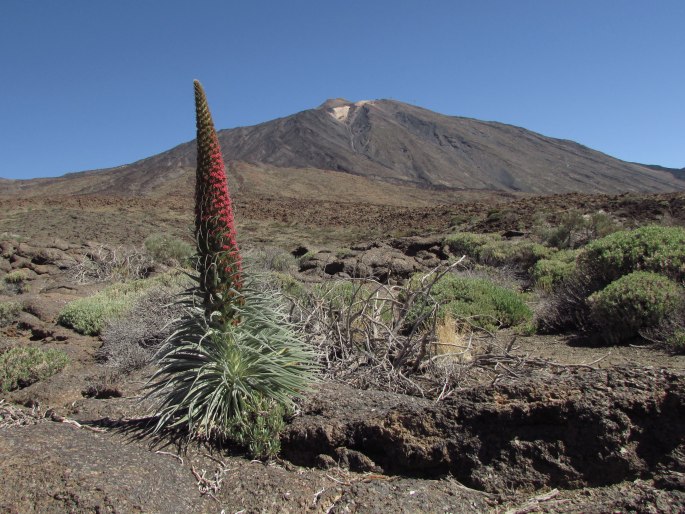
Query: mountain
[(398, 142), (676, 172), (375, 144)]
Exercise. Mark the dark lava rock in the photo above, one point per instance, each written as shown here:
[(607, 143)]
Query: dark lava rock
[(509, 234), (300, 251), (390, 262), (411, 246), (569, 429)]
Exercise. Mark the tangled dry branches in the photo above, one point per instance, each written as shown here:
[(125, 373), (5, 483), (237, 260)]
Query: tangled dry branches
[(11, 415), (364, 338), (105, 263)]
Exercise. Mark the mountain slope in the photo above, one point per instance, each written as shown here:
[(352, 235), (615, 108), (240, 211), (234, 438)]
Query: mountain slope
[(385, 141), (676, 172), (399, 142)]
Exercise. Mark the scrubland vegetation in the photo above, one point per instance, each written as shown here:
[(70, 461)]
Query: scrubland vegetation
[(20, 367), (415, 337), (588, 277)]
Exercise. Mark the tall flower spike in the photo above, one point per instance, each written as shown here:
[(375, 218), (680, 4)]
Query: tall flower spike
[(219, 261)]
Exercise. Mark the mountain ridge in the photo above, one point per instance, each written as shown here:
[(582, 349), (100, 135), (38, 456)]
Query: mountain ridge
[(391, 142)]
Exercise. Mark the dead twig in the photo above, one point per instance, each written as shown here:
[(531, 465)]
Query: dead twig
[(53, 416), (171, 454), (533, 503), (317, 494), (209, 486)]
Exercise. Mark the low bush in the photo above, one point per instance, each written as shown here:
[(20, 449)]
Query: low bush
[(8, 312), (634, 302), (22, 366), (260, 429), (549, 273), (486, 304), (676, 340), (288, 285), (270, 259), (90, 315), (130, 342), (492, 250), (651, 248), (168, 250), (576, 229), (654, 249), (521, 254), (670, 332), (16, 276), (469, 244)]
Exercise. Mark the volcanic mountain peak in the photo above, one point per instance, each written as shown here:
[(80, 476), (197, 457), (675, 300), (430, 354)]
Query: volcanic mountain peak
[(341, 109), (332, 103), (388, 141), (396, 142)]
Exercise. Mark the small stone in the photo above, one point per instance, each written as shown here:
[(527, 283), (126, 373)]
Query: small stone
[(324, 461)]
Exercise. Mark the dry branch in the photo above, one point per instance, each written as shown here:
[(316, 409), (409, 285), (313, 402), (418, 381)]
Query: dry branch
[(364, 339)]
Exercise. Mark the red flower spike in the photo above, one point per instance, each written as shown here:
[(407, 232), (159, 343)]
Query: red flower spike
[(220, 264)]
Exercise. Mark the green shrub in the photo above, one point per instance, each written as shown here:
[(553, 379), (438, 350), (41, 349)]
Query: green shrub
[(90, 315), (289, 285), (676, 340), (651, 248), (8, 312), (492, 250), (269, 259), (468, 243), (601, 225), (548, 273), (168, 249), (490, 306), (517, 253), (22, 366), (576, 229), (283, 262), (339, 293), (494, 215), (259, 432), (633, 302), (563, 235), (16, 276)]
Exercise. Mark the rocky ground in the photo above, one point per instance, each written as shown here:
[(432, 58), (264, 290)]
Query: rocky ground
[(568, 437), (285, 221)]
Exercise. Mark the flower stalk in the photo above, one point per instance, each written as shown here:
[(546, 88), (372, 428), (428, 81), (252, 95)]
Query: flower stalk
[(219, 262)]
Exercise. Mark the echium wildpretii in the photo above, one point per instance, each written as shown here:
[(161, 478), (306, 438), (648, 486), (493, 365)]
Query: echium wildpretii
[(219, 261)]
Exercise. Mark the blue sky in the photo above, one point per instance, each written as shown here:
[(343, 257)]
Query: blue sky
[(92, 83)]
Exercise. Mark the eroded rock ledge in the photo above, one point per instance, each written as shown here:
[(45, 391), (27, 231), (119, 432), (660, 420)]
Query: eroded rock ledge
[(574, 428)]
